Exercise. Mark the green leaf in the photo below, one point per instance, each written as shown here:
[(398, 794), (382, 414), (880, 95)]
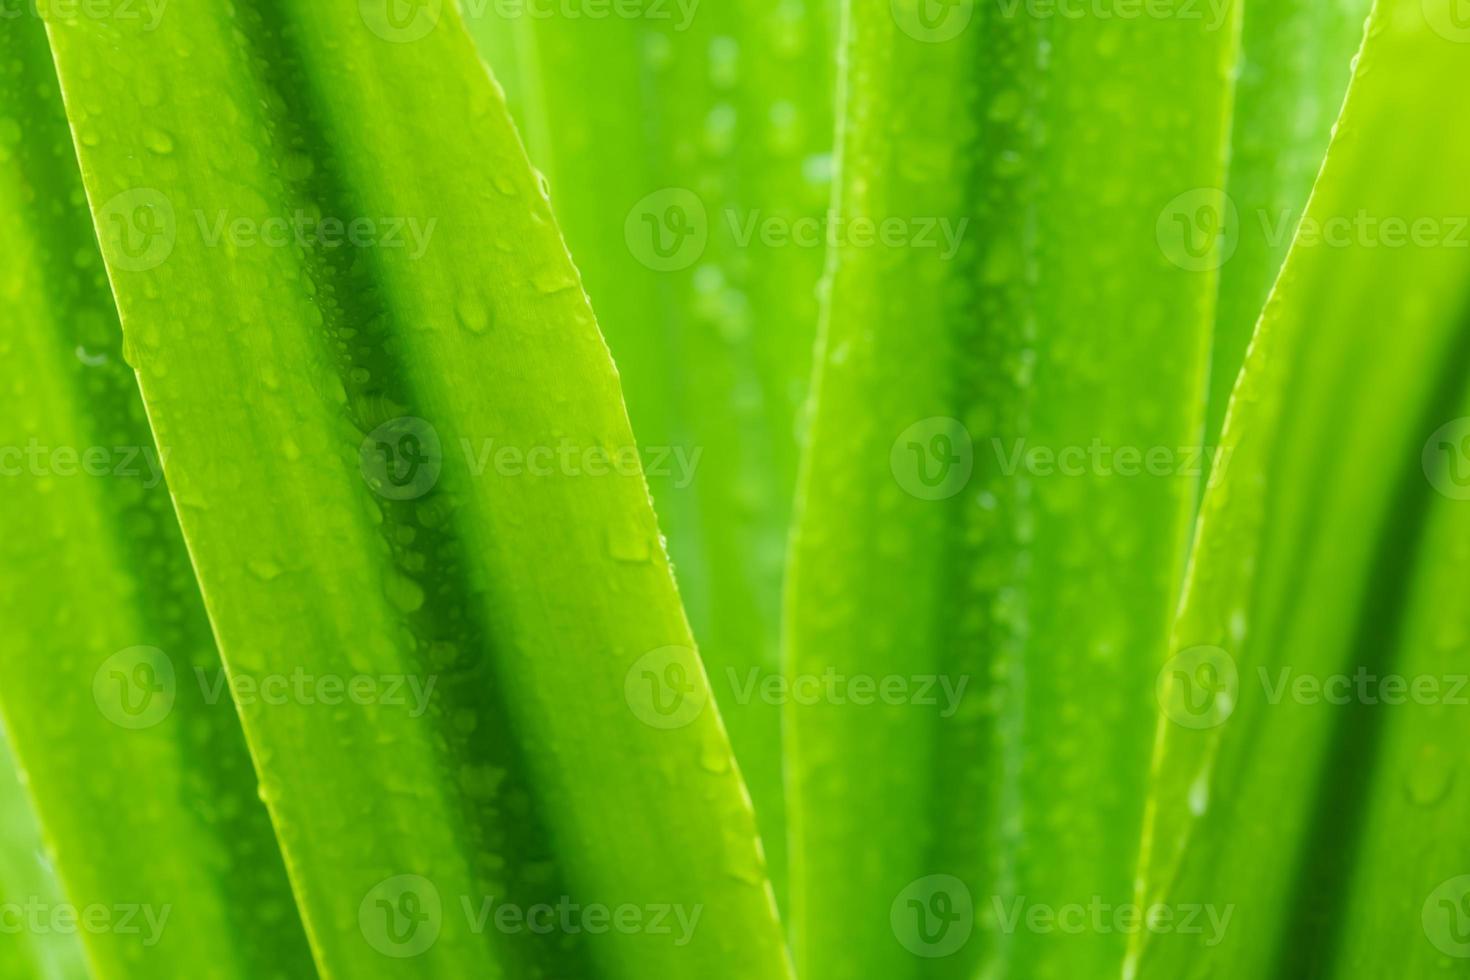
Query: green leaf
[(140, 778), (985, 553), (359, 332), (1294, 67), (1298, 787), (715, 120), (29, 890)]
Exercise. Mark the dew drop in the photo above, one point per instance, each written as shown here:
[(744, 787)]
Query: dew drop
[(473, 316), (404, 593), (158, 141), (724, 62), (1430, 776), (629, 544), (264, 570)]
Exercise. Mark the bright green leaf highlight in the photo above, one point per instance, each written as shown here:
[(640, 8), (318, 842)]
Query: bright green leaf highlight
[(688, 153), (1298, 743), (107, 655), (1000, 479), (325, 213)]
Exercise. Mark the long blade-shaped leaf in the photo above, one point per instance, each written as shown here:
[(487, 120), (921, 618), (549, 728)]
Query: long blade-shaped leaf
[(1294, 67), (711, 122), (1288, 752), (1000, 480), (136, 763), (401, 461), (31, 948)]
